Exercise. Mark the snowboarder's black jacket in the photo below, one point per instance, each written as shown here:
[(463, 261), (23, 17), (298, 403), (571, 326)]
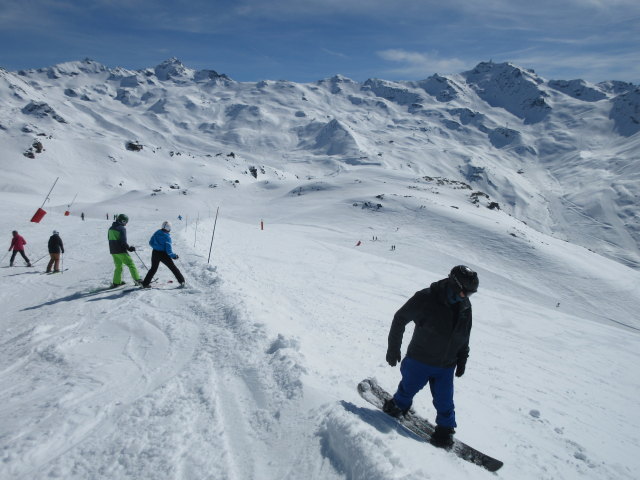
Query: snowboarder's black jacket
[(442, 330), (55, 244), (118, 238)]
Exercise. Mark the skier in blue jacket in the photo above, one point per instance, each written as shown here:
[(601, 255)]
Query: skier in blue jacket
[(162, 252)]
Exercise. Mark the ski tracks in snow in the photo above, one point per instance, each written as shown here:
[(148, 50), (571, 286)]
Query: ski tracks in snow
[(152, 384)]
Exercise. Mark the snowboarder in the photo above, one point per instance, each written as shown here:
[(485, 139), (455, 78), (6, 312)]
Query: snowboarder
[(438, 350), (17, 245), (162, 252), (119, 248), (56, 248)]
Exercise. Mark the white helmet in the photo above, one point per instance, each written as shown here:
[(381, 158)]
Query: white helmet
[(166, 226), (55, 232)]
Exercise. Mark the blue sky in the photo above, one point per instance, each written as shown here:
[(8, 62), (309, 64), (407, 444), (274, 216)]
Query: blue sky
[(307, 40)]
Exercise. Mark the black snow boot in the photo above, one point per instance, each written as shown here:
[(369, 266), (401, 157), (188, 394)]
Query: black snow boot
[(390, 408), (442, 437)]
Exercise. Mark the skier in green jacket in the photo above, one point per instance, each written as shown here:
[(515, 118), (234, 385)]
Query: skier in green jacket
[(119, 249)]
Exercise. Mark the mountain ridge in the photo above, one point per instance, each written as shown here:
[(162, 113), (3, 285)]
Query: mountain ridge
[(532, 145)]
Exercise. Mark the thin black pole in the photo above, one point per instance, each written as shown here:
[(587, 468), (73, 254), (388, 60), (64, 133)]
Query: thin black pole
[(47, 197), (72, 201), (213, 234)]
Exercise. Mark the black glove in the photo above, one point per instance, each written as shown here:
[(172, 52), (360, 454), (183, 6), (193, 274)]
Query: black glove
[(460, 369), (132, 249), (393, 357), (176, 257)]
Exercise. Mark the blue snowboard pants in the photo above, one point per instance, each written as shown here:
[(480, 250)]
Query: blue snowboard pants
[(415, 376)]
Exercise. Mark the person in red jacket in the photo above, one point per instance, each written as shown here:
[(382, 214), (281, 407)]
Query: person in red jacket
[(17, 245)]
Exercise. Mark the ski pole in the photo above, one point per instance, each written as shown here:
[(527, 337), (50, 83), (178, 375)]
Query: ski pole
[(140, 260), (62, 263), (33, 263), (5, 255)]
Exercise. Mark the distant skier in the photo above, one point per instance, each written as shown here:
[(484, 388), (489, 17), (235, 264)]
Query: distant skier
[(439, 347), (82, 216), (162, 252), (119, 249), (56, 248), (17, 245)]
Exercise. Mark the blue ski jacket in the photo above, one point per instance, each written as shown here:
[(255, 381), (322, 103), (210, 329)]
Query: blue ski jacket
[(161, 241)]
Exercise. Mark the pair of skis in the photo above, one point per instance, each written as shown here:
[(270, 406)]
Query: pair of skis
[(155, 285)]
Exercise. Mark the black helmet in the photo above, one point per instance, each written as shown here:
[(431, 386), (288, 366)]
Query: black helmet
[(122, 218), (462, 278)]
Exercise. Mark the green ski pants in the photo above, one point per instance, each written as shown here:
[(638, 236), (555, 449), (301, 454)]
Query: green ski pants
[(120, 259)]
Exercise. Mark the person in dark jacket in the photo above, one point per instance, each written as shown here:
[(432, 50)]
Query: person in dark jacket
[(56, 248), (17, 245), (119, 249), (162, 252), (438, 349)]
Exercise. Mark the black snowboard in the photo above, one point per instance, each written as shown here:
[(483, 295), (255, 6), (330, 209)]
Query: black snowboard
[(376, 395)]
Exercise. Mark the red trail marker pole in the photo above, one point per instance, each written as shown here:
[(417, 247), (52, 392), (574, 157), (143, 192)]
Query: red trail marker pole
[(40, 213)]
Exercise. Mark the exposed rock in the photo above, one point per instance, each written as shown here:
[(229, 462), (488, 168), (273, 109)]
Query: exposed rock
[(42, 110), (133, 146)]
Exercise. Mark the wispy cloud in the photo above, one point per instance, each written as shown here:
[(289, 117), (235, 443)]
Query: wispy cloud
[(417, 64), (335, 54), (594, 67)]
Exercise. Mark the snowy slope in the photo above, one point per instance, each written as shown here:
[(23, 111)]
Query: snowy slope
[(250, 372)]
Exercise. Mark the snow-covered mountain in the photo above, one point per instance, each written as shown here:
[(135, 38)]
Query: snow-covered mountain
[(337, 201), (561, 156)]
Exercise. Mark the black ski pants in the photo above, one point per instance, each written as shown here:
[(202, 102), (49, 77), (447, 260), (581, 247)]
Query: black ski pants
[(21, 252), (156, 257)]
